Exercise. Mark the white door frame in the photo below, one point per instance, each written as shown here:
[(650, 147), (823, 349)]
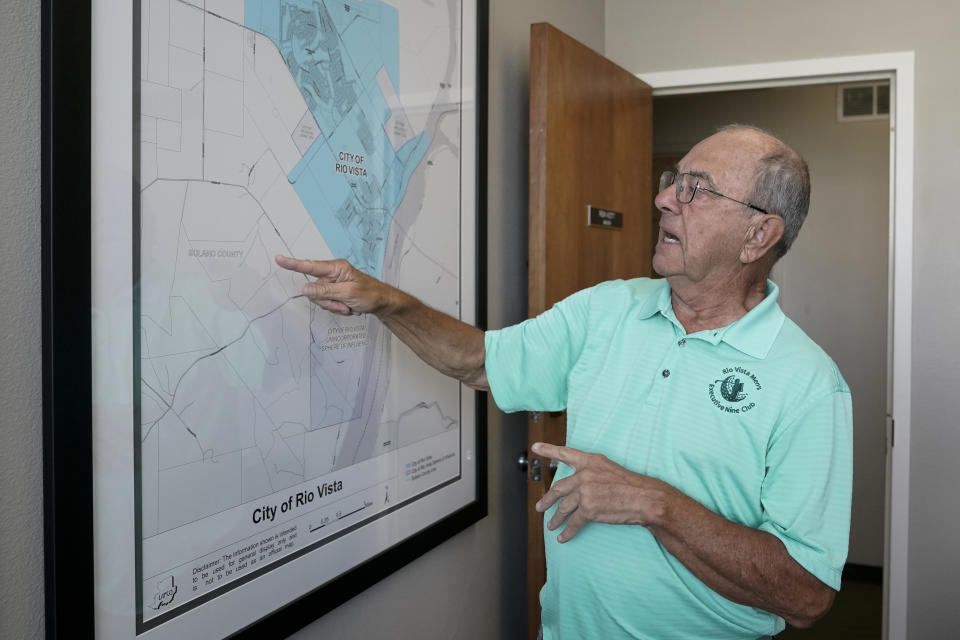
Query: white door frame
[(899, 69)]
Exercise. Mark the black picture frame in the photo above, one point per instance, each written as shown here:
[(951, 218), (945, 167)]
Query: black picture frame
[(67, 325)]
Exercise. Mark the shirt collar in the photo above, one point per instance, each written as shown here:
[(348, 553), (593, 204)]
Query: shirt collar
[(755, 333), (658, 301), (752, 334)]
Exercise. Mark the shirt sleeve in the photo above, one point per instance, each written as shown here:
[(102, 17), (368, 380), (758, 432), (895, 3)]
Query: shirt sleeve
[(807, 489), (528, 364)]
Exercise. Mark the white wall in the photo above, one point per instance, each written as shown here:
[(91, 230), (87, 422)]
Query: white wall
[(834, 280), (21, 478), (654, 36), (470, 587)]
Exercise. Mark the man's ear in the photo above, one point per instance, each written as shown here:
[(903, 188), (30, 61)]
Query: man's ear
[(765, 231)]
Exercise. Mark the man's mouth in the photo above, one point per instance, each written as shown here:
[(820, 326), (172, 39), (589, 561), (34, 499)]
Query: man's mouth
[(669, 238)]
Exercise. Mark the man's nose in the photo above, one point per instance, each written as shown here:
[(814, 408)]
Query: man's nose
[(666, 200)]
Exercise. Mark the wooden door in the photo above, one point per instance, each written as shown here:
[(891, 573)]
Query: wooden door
[(590, 145)]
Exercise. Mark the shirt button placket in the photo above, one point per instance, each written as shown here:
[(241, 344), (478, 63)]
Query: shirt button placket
[(682, 342)]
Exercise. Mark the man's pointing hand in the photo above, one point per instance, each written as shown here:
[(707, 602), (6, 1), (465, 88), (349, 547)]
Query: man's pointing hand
[(339, 287)]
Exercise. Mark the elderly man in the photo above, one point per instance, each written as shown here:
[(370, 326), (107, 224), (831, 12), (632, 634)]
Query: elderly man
[(705, 490)]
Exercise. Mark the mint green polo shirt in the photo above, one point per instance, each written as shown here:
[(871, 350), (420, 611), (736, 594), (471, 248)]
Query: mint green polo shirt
[(752, 420)]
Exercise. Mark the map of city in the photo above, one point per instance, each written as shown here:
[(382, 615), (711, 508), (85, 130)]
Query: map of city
[(316, 129)]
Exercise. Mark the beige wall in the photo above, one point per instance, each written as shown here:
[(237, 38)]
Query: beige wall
[(21, 474), (470, 587), (834, 280), (654, 36)]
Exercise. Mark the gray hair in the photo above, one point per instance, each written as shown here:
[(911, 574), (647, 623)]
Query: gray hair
[(781, 186)]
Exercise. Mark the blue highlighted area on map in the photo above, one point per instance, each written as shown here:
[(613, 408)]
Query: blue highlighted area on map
[(344, 57)]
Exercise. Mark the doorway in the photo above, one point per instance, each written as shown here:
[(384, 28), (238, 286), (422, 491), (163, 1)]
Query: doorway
[(898, 70)]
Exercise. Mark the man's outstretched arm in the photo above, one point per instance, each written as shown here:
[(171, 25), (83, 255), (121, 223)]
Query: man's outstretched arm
[(450, 346)]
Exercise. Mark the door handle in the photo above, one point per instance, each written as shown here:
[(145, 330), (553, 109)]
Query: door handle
[(535, 466)]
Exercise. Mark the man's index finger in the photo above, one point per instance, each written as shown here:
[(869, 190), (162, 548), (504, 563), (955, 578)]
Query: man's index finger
[(565, 455), (316, 268)]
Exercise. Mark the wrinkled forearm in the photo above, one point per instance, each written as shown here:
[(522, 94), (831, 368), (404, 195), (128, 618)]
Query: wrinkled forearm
[(744, 565), (450, 346)]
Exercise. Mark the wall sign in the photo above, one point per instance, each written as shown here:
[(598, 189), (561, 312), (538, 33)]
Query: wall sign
[(597, 217)]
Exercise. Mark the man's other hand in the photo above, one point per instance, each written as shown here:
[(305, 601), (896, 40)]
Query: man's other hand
[(598, 491), (339, 287)]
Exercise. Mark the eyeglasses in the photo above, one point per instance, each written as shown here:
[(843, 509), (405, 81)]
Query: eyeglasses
[(687, 186)]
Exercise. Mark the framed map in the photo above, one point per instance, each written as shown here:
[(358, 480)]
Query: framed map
[(222, 457)]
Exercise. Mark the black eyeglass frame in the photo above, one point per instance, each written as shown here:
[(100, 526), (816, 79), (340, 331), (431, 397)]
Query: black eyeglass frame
[(677, 179)]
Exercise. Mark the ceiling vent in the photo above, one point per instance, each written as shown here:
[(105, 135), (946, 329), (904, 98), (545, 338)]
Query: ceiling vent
[(863, 101)]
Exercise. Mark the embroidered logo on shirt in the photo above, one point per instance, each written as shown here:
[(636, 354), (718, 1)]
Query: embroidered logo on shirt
[(729, 392)]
